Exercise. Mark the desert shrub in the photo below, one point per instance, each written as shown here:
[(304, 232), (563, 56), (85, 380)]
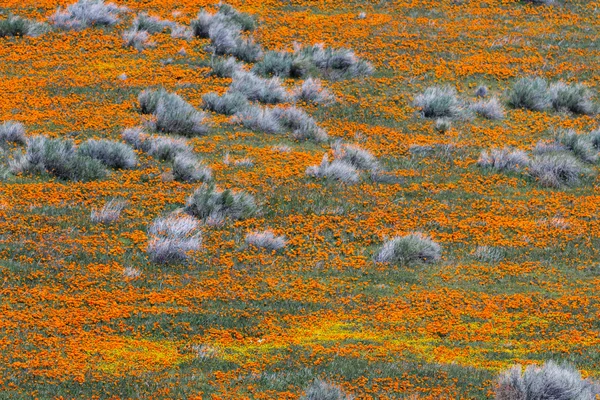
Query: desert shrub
[(244, 20), (437, 101), (166, 149), (336, 170), (443, 125), (544, 2), (11, 131), (335, 64), (506, 159), (550, 147), (137, 138), (247, 49), (207, 202), (227, 104), (556, 169), (356, 156), (137, 39), (150, 24), (595, 138), (274, 63), (244, 162), (550, 381), (148, 100), (302, 125), (313, 91), (321, 390), (266, 240), (109, 213), (530, 94), (259, 119), (175, 115), (112, 154), (224, 37), (481, 91), (575, 98), (581, 146), (14, 25), (409, 249), (86, 13), (187, 168), (201, 25), (490, 109), (225, 67), (58, 158), (267, 91), (181, 32), (171, 239)]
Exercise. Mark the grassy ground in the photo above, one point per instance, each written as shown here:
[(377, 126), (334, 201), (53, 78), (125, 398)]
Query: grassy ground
[(236, 322)]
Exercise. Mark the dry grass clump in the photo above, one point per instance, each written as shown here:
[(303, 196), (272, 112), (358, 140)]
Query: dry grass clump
[(356, 156), (334, 64), (302, 125), (160, 147), (172, 238), (86, 13), (266, 240), (138, 39), (321, 390), (209, 202), (581, 146), (575, 98), (109, 213), (409, 249), (151, 24), (550, 381), (506, 159)]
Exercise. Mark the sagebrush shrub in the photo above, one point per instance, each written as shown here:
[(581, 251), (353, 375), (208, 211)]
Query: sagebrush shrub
[(150, 24), (312, 90), (302, 125), (14, 25), (581, 146), (255, 88), (11, 131), (227, 104), (335, 64), (86, 13), (166, 148), (207, 201), (247, 49), (437, 101), (187, 168), (259, 119), (274, 63), (112, 154), (409, 249), (175, 115), (224, 37), (225, 67), (137, 138), (266, 240), (109, 213), (172, 238), (556, 169), (550, 381), (490, 109), (356, 156), (595, 138), (138, 39), (244, 20), (530, 94), (505, 159), (575, 98), (336, 170), (148, 99)]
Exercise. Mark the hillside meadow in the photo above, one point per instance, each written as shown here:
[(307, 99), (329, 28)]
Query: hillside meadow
[(297, 199)]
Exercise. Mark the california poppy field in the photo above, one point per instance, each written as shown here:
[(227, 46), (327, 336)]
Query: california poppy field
[(300, 199)]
